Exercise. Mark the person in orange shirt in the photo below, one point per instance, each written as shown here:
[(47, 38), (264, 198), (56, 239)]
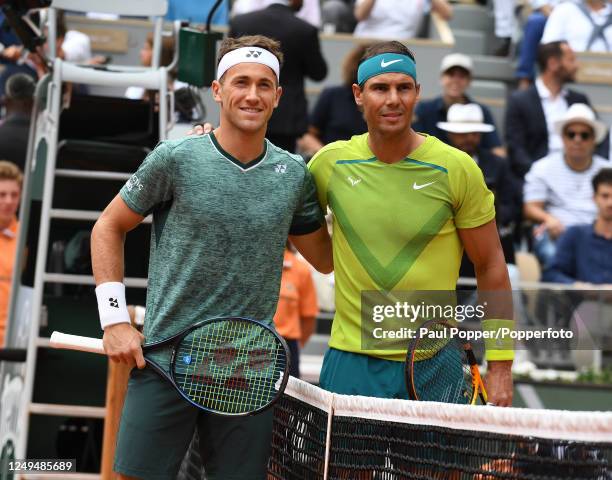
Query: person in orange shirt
[(10, 192), (297, 306)]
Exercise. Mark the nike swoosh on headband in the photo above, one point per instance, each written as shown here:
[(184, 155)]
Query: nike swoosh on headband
[(384, 64)]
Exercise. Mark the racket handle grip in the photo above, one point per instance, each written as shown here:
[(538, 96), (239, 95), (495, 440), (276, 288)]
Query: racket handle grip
[(76, 342)]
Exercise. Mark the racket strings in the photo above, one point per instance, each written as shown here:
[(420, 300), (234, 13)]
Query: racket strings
[(452, 383), (230, 366)]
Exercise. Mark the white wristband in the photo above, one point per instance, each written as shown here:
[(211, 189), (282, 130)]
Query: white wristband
[(111, 304)]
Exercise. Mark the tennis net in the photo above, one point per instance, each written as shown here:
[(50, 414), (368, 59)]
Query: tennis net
[(319, 435)]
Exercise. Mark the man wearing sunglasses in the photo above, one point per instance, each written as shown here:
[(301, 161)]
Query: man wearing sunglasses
[(558, 191)]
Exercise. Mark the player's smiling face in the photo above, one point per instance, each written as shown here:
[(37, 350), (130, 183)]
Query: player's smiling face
[(248, 94), (388, 102)]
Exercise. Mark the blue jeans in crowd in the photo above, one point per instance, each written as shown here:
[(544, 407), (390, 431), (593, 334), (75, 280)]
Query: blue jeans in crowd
[(534, 28), (544, 248)]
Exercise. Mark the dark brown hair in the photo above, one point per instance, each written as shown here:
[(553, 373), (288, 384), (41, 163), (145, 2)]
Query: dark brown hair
[(604, 176), (230, 44), (392, 46), (546, 51), (351, 62), (167, 49)]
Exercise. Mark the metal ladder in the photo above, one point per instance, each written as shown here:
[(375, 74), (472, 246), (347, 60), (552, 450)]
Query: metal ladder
[(45, 135)]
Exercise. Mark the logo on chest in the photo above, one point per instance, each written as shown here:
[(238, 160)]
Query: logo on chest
[(280, 168), (354, 180), (418, 187)]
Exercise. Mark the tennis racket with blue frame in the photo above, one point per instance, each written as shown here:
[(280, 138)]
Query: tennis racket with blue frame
[(229, 365)]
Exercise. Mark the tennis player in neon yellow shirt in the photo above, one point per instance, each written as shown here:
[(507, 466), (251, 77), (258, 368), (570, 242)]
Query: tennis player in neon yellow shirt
[(405, 206)]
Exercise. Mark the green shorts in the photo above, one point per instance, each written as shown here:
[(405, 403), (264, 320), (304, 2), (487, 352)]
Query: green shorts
[(351, 373), (157, 425)]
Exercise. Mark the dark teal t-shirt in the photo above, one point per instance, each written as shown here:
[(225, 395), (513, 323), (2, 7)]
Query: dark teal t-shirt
[(219, 230)]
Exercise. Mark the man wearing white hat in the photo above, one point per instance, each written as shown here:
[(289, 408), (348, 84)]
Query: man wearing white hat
[(465, 126), (558, 191), (455, 78)]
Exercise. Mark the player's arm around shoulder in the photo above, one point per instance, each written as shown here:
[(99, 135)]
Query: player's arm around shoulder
[(122, 342), (309, 231)]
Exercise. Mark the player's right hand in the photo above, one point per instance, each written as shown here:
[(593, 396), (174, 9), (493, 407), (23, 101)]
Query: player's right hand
[(123, 343), (201, 129)]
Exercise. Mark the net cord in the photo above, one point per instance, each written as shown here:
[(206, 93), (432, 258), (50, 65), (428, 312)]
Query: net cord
[(551, 424)]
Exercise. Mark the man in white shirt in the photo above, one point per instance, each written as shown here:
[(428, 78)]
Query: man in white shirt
[(310, 10), (531, 113), (586, 25), (395, 19), (558, 191)]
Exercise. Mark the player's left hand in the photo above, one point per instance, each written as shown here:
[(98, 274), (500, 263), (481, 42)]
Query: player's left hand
[(201, 129), (498, 383)]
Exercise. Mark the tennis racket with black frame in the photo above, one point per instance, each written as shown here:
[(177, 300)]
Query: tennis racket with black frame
[(229, 365), (457, 380)]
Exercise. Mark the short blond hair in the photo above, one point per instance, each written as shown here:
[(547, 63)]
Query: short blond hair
[(230, 44), (10, 171)]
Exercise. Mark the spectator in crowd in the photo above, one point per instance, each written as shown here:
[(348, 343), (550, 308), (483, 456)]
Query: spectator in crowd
[(73, 46), (399, 19), (558, 191), (70, 45), (531, 114), (586, 25), (337, 16), (14, 129), (146, 59), (505, 23), (310, 10), (532, 34), (10, 191), (465, 126), (584, 253), (196, 11), (297, 309), (455, 77), (303, 58), (185, 103), (12, 59), (335, 115)]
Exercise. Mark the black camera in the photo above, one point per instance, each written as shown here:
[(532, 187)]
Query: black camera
[(14, 10), (22, 6)]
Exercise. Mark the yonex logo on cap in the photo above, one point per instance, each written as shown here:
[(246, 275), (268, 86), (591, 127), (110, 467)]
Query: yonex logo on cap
[(384, 64), (253, 53)]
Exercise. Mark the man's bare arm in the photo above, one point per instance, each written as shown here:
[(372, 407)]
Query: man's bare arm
[(107, 240), (484, 249), (122, 342), (316, 248), (535, 212)]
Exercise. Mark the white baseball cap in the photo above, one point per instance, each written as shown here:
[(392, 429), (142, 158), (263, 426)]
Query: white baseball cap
[(465, 118), (581, 113), (456, 60)]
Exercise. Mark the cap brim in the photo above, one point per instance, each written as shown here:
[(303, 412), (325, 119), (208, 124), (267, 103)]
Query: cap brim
[(465, 127), (446, 68)]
